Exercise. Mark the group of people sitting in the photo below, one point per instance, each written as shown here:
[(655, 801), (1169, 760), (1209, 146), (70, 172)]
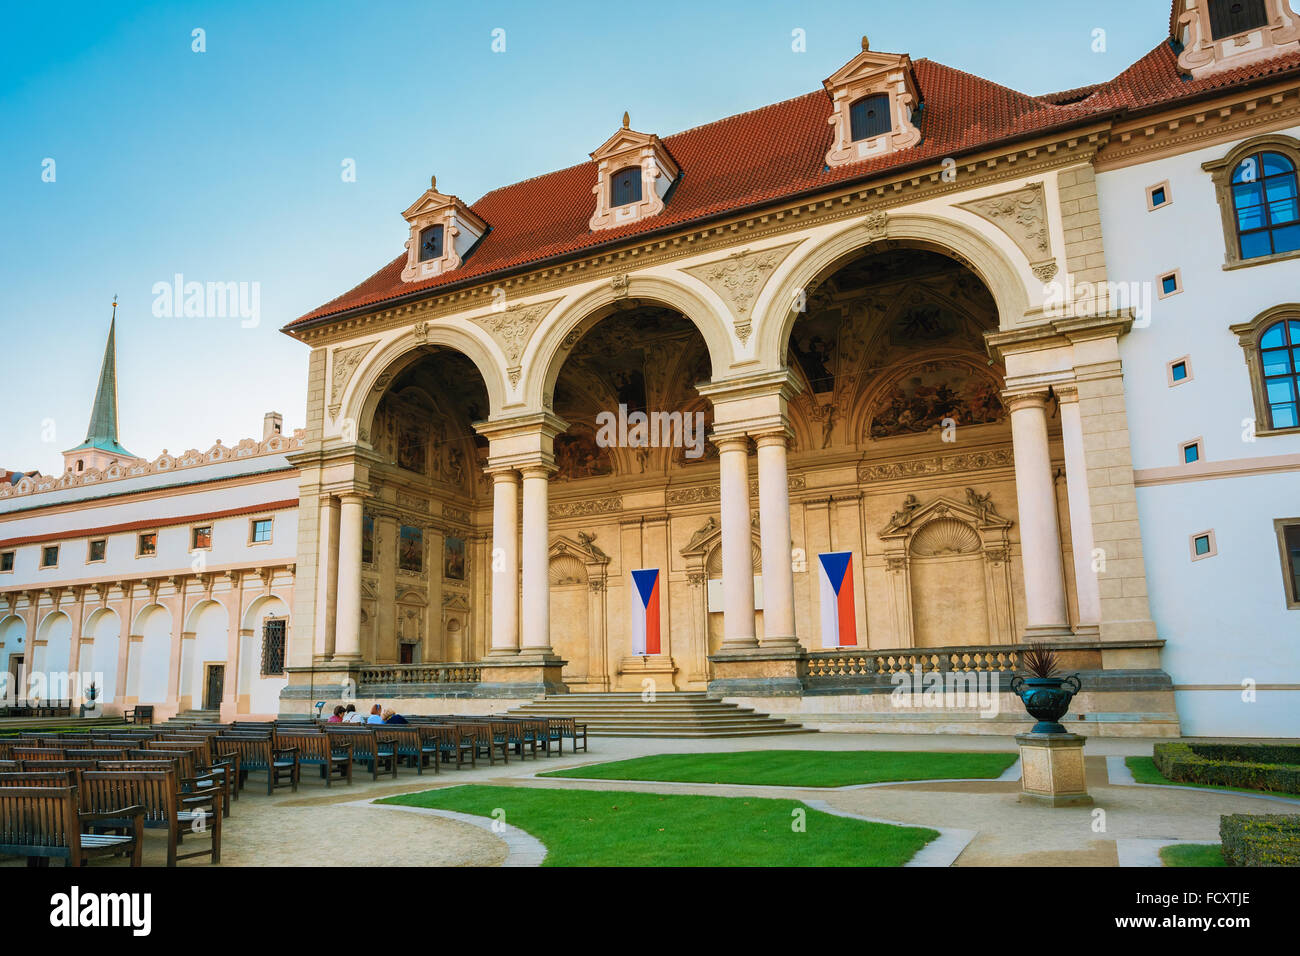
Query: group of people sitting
[(350, 715)]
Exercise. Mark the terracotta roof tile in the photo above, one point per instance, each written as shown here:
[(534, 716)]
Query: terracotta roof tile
[(774, 153)]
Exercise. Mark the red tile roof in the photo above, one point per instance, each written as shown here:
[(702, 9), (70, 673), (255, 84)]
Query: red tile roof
[(776, 153)]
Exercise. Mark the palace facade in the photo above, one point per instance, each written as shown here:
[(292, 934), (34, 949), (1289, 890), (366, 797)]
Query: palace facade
[(1029, 361)]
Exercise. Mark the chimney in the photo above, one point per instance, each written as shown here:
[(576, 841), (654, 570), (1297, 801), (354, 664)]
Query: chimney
[(272, 425)]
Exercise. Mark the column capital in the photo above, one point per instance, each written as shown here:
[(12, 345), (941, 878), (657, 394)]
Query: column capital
[(1066, 393), (773, 436), (538, 469), (734, 441), (503, 474), (1027, 398)]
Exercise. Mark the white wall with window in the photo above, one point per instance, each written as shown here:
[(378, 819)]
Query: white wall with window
[(1223, 613)]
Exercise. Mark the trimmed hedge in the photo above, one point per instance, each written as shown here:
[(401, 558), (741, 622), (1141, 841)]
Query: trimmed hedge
[(1272, 840), (1248, 766)]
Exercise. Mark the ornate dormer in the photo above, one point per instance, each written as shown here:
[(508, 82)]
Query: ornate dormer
[(443, 231), (1218, 35), (633, 175), (874, 96)]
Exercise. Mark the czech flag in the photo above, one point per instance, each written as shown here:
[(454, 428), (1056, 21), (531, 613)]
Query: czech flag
[(645, 612), (839, 621)]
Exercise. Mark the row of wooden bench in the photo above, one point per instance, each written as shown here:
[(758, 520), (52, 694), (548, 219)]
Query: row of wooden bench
[(37, 708)]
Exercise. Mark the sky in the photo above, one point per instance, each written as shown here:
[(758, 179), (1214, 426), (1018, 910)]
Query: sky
[(128, 157)]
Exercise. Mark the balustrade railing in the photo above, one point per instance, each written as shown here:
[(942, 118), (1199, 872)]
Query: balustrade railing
[(421, 674), (851, 663)]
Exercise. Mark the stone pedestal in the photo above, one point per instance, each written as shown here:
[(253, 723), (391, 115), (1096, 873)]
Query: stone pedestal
[(660, 668), (1051, 770), (522, 676), (758, 673)]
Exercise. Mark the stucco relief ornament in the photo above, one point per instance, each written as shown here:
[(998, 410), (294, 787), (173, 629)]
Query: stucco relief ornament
[(739, 278), (877, 225), (346, 361), (903, 516), (512, 329), (588, 543), (1022, 215), (618, 284), (703, 532)]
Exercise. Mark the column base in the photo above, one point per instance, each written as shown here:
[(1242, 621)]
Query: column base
[(503, 652), (782, 642), (759, 672), (1047, 632), (740, 645), (1052, 770)]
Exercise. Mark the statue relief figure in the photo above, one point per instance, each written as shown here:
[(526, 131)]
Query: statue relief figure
[(705, 530), (910, 504), (588, 542)]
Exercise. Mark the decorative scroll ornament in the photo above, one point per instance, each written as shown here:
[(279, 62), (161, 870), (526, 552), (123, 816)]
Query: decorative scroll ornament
[(739, 278), (346, 362), (1022, 215)]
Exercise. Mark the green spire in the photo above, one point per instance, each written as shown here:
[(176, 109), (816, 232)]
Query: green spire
[(102, 433)]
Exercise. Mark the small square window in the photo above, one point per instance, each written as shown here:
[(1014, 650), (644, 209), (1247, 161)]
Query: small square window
[(1191, 452), (1170, 283), (97, 550), (6, 561), (148, 544), (1158, 196), (1178, 371), (201, 537), (50, 556), (261, 531), (1202, 545)]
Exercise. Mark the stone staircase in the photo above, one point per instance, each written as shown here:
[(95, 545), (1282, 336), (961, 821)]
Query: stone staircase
[(674, 714), (195, 717)]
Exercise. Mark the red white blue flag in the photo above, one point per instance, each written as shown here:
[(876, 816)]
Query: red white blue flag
[(645, 612), (839, 618)]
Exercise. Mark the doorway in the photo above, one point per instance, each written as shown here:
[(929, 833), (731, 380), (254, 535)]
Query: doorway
[(214, 686), (14, 687)]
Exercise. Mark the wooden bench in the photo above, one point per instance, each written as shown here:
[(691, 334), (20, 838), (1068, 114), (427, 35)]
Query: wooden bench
[(140, 714), (454, 741), (37, 753), (370, 745), (44, 823), (561, 727), (489, 737), (261, 754), (165, 806), (331, 754)]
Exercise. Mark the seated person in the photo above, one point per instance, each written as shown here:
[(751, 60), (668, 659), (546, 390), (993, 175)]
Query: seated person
[(393, 717), (352, 716), (376, 715), (337, 716)]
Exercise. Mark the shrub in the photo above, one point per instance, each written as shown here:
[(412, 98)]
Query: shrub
[(1230, 765), (1272, 840)]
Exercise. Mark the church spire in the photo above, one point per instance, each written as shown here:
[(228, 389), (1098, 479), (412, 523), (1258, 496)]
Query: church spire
[(101, 436)]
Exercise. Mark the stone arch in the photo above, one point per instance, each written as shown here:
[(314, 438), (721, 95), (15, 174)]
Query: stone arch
[(370, 381), (869, 397), (205, 641), (948, 236), (545, 356), (255, 693)]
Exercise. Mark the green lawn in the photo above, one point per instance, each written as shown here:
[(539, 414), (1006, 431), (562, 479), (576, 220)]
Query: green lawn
[(617, 828), (799, 768), (1144, 771), (1192, 854)]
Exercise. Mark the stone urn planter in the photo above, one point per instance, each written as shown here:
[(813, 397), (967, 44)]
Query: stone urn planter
[(1045, 695)]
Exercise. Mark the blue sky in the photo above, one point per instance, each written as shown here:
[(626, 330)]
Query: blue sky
[(225, 165)]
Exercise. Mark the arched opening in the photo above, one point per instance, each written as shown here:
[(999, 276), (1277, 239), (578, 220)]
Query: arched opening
[(417, 518), (52, 658), (204, 674), (104, 628), (146, 664), (636, 423), (895, 377), (13, 660), (263, 649)]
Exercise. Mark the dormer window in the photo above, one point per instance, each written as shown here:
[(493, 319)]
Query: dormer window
[(431, 243), (869, 117), (1219, 35), (873, 99), (634, 173), (625, 186), (443, 231)]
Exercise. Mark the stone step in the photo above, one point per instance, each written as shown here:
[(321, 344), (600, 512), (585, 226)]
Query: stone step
[(672, 714)]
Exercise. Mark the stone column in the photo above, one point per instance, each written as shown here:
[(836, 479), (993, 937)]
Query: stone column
[(1086, 587), (347, 645), (774, 532), (737, 557), (1040, 537), (504, 561), (536, 561), (327, 579)]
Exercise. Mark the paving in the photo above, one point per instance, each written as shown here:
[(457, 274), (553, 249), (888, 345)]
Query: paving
[(982, 822)]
